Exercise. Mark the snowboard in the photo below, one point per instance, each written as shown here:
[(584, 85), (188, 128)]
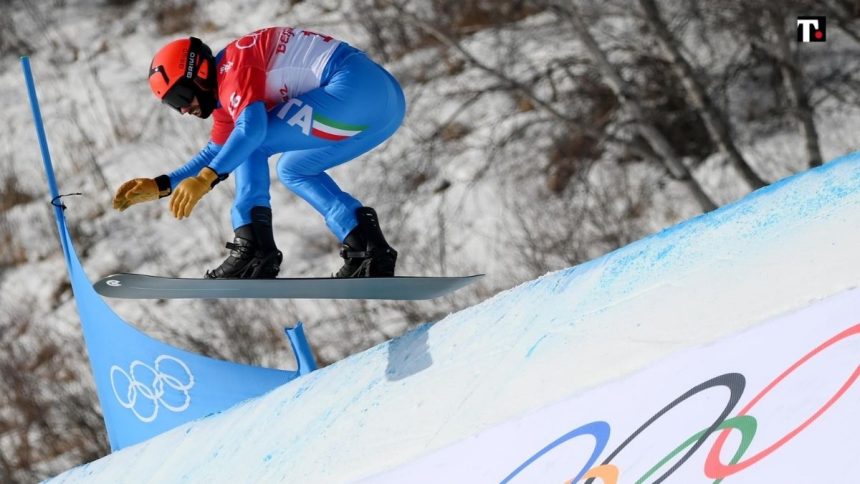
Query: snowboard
[(406, 288)]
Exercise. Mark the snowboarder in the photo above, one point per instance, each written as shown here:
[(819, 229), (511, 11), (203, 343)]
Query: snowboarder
[(316, 100)]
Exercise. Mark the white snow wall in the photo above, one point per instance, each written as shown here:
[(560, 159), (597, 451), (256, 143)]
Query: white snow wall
[(754, 296)]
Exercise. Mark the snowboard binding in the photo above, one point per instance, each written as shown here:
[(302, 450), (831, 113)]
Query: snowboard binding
[(365, 251), (246, 261), (253, 254)]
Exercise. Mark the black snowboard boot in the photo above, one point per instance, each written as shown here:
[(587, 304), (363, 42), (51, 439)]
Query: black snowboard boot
[(253, 254), (365, 251)]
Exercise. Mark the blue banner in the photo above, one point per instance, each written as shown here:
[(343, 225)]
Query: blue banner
[(146, 387)]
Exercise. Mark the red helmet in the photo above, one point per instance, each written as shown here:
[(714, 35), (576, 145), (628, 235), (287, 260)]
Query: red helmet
[(181, 70)]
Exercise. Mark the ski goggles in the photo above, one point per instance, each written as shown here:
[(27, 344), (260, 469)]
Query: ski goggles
[(179, 96), (182, 93)]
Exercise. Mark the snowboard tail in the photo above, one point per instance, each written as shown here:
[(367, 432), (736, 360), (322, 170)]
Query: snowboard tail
[(404, 288)]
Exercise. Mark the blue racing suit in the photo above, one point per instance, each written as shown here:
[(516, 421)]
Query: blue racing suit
[(356, 106)]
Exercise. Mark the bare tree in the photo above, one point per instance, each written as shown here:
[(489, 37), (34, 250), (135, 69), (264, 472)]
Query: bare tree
[(449, 39), (46, 412), (717, 124), (628, 100)]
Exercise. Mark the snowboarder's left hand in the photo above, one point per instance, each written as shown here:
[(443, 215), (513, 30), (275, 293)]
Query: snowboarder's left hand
[(190, 191)]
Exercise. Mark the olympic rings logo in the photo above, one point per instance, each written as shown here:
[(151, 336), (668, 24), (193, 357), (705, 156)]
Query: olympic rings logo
[(149, 383), (714, 467), (249, 40)]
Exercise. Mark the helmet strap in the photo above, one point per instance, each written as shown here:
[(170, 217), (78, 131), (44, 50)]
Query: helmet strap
[(208, 100), (205, 87)]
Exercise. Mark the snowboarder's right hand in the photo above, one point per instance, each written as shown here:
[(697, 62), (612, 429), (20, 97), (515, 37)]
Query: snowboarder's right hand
[(135, 191)]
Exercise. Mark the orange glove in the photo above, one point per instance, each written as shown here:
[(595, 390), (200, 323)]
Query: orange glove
[(191, 190), (137, 191)]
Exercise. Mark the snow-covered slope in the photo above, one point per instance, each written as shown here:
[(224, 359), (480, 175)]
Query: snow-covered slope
[(570, 333)]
